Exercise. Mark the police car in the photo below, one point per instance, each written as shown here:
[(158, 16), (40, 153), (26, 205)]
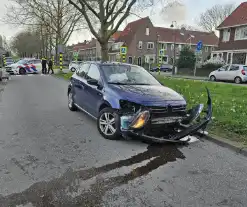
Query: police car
[(24, 66)]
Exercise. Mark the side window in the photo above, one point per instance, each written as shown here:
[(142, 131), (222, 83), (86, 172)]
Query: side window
[(93, 73), (234, 68), (224, 68), (82, 70)]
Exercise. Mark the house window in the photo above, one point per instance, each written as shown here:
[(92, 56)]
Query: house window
[(140, 45), (165, 59), (241, 33), (179, 47), (163, 46), (226, 35), (147, 31), (172, 46), (150, 45), (206, 49), (130, 60)]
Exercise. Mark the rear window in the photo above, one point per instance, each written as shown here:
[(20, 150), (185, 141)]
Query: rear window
[(245, 68)]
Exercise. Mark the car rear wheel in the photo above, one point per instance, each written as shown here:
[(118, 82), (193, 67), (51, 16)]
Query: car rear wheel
[(212, 78), (108, 124), (71, 104), (22, 71), (238, 80)]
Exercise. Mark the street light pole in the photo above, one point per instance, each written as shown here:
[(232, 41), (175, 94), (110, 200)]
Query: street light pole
[(173, 25)]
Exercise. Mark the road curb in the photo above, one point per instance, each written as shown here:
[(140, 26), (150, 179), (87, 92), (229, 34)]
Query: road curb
[(234, 146)]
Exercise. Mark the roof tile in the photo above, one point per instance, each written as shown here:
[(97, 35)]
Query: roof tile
[(167, 35), (237, 17)]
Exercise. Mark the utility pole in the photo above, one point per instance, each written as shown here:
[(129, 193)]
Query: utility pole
[(173, 25)]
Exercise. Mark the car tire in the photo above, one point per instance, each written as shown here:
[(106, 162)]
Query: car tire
[(238, 80), (71, 103), (212, 78), (22, 71), (108, 124), (73, 69)]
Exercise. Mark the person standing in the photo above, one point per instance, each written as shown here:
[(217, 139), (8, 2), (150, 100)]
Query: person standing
[(50, 66), (44, 63)]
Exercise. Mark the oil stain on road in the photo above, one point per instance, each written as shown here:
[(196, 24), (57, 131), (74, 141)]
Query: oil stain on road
[(55, 192)]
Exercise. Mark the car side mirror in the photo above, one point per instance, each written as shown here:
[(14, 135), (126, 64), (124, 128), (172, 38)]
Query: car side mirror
[(93, 82)]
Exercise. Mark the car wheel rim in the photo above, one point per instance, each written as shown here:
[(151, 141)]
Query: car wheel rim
[(107, 124), (70, 100), (237, 80), (212, 78)]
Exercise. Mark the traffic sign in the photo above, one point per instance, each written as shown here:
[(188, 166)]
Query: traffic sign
[(161, 52), (123, 50), (199, 46), (75, 54)]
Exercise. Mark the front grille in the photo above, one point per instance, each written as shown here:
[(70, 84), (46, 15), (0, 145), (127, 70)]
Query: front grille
[(171, 111)]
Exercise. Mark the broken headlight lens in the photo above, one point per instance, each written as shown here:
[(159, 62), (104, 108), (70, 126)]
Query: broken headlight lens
[(140, 120), (128, 106)]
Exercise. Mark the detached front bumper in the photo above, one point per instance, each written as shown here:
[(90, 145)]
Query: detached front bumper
[(181, 130)]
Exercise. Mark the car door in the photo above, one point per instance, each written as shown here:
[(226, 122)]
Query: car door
[(36, 66), (79, 82), (94, 93), (220, 74), (232, 72)]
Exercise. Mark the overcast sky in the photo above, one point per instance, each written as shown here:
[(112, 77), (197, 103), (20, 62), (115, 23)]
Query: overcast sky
[(189, 12)]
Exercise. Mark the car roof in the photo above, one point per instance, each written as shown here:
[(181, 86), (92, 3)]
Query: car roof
[(109, 63)]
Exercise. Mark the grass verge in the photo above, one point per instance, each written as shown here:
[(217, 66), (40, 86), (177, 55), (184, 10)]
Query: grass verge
[(229, 104), (65, 75)]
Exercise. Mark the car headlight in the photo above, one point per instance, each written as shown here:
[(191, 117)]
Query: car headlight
[(140, 120)]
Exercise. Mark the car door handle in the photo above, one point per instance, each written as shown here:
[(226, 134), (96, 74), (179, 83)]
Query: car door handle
[(99, 94)]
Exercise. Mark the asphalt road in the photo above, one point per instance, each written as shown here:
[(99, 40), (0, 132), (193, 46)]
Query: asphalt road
[(51, 157)]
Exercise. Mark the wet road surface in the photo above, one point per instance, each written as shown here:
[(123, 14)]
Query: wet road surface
[(52, 157)]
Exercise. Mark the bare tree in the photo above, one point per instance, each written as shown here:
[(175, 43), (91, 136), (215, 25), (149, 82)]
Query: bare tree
[(26, 43), (188, 27), (109, 14), (211, 18), (56, 17)]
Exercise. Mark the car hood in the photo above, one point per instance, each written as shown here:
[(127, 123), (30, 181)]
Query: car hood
[(156, 95), (14, 65)]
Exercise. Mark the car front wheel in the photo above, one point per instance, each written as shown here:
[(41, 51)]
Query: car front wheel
[(71, 104), (72, 69), (212, 78), (108, 124)]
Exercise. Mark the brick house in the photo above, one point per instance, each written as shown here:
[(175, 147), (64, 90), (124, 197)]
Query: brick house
[(142, 39), (91, 50), (233, 37)]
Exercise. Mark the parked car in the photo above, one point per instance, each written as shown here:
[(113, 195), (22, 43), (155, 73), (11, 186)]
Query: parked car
[(74, 65), (163, 68), (9, 60), (25, 66), (127, 101), (234, 72)]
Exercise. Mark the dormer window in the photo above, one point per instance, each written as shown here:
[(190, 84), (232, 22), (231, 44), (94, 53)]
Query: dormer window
[(147, 31)]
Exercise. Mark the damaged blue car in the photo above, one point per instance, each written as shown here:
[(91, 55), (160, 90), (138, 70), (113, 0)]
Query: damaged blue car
[(127, 101)]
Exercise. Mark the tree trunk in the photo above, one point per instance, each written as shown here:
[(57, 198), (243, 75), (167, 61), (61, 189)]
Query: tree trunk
[(104, 51)]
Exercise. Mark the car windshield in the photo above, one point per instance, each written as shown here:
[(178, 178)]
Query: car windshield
[(22, 61), (128, 75), (245, 67)]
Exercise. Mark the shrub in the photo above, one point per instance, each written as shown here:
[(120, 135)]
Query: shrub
[(187, 58), (212, 65)]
